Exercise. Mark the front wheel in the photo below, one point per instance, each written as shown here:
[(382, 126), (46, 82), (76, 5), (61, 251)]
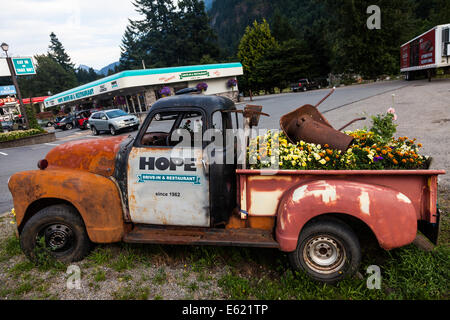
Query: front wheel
[(94, 131), (69, 126), (327, 250), (112, 130), (59, 230)]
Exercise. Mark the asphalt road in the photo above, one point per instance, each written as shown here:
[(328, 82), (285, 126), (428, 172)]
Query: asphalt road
[(25, 158), (280, 104)]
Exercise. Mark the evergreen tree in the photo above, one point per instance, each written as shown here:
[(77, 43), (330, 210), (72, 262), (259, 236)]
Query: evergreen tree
[(58, 53), (168, 35), (255, 43)]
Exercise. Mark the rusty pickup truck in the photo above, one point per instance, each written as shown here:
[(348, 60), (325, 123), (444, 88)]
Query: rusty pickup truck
[(135, 190)]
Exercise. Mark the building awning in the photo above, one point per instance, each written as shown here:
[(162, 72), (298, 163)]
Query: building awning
[(145, 77), (34, 100)]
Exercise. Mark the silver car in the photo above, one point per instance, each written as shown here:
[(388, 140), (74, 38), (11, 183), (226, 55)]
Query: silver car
[(113, 121)]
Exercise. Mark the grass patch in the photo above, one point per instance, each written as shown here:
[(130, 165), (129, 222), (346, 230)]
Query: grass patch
[(99, 276), (407, 273), (9, 248), (132, 293), (160, 276)]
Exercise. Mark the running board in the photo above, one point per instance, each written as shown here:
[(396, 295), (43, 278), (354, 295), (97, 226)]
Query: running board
[(201, 236)]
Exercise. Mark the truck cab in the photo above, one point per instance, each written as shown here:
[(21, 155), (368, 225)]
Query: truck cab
[(175, 182)]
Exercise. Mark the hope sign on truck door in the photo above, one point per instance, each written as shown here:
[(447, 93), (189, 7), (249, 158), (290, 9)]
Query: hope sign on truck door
[(167, 185)]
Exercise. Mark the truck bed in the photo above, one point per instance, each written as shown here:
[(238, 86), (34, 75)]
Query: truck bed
[(260, 191)]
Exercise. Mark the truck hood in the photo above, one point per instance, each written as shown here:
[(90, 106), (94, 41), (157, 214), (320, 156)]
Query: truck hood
[(93, 155)]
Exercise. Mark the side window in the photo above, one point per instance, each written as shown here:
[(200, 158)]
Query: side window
[(101, 115), (159, 129)]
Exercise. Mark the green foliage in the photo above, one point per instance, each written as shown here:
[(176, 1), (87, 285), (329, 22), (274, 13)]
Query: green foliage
[(32, 121), (168, 35), (384, 127), (18, 134), (59, 54), (256, 42)]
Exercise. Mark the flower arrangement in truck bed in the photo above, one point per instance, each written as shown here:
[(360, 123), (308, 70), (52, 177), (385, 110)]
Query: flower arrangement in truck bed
[(373, 149)]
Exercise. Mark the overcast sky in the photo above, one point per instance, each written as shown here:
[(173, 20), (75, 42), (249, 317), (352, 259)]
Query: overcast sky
[(90, 30)]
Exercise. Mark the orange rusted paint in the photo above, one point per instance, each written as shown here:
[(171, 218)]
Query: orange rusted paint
[(96, 156), (95, 197), (389, 201)]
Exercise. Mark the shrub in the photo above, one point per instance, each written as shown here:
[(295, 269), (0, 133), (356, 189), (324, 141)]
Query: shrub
[(18, 134)]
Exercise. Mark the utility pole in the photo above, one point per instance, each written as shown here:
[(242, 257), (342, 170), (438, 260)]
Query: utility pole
[(23, 111)]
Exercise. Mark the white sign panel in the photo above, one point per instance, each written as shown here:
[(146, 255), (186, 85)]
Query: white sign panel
[(4, 70), (164, 189)]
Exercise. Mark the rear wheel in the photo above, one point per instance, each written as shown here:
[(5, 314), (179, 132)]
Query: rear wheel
[(69, 126), (327, 250), (60, 230), (94, 131)]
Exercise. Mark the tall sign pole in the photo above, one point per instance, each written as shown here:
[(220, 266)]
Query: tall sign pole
[(16, 85)]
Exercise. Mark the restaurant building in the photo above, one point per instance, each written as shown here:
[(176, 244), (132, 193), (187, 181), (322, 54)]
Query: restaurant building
[(134, 91)]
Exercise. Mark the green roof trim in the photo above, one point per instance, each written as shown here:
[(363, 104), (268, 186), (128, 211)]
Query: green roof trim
[(145, 72)]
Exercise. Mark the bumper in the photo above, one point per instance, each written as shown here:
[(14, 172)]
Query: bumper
[(430, 230)]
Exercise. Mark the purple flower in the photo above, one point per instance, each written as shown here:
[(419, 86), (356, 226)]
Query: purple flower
[(165, 91), (376, 159), (202, 86), (231, 83)]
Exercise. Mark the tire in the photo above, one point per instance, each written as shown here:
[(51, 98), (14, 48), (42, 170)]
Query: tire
[(319, 86), (63, 231), (94, 131), (328, 251), (112, 130), (69, 126), (304, 89)]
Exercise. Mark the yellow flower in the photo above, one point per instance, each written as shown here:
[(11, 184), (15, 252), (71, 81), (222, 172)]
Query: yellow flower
[(323, 161)]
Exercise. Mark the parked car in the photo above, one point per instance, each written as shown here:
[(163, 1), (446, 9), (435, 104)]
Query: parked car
[(113, 121), (65, 123), (305, 84), (45, 122), (82, 119), (6, 126)]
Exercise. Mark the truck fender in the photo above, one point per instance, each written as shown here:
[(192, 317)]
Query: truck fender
[(388, 213), (95, 197)]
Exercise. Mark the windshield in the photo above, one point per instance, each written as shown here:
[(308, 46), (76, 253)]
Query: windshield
[(116, 113)]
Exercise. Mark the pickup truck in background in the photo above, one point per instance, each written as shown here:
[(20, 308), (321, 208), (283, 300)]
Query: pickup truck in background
[(305, 84), (135, 190)]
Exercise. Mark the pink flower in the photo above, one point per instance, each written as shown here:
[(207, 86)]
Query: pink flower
[(392, 111)]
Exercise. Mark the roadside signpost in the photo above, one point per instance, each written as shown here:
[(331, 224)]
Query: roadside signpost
[(19, 66), (23, 66)]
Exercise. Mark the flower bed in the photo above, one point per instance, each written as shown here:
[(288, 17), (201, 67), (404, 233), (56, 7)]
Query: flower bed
[(18, 134), (368, 151)]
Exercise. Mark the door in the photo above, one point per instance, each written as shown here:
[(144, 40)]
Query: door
[(167, 182), (102, 122)]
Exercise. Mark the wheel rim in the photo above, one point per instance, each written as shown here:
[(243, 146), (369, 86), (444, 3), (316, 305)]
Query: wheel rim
[(324, 254), (113, 132), (94, 131), (69, 126), (58, 237)]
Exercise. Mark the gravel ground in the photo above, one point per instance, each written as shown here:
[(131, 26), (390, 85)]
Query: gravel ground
[(423, 111)]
